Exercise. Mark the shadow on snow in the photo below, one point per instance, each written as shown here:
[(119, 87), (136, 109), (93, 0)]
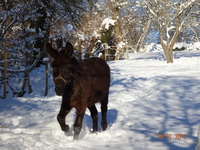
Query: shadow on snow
[(173, 106)]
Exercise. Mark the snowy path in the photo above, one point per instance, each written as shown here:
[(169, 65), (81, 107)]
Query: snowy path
[(147, 98)]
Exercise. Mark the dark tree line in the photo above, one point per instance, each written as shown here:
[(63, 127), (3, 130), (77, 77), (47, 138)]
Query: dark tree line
[(24, 31)]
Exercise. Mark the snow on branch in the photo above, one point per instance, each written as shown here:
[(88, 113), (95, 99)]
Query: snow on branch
[(185, 6), (106, 23)]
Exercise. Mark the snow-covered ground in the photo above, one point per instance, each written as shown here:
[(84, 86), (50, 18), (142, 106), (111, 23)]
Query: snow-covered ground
[(152, 106)]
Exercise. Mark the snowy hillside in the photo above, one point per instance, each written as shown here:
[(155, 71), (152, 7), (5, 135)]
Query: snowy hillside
[(153, 106)]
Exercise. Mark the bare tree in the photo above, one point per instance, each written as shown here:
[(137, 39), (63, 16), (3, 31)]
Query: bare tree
[(171, 16)]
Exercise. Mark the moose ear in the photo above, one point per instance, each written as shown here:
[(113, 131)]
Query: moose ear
[(69, 50), (51, 51)]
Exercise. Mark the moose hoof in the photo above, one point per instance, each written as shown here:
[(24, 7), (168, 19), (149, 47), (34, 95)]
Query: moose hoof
[(94, 131), (104, 126), (65, 128), (76, 136)]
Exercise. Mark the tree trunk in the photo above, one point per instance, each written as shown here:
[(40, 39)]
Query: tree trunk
[(169, 54), (42, 27), (5, 73), (26, 82), (116, 10), (167, 46), (47, 74), (141, 39), (126, 46), (92, 43), (78, 48)]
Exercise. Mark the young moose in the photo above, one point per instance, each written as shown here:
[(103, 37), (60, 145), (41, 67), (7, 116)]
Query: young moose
[(81, 84)]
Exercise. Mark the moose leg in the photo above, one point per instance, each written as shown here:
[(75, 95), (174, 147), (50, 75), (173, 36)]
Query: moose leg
[(94, 115), (61, 118), (104, 109), (78, 123)]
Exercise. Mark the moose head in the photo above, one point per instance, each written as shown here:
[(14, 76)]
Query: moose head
[(62, 66)]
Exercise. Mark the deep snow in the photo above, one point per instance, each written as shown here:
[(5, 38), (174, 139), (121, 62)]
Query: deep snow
[(148, 97)]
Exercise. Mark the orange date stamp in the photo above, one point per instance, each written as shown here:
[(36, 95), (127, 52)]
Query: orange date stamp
[(172, 136)]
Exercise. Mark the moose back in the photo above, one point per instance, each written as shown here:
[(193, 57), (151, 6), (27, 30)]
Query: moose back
[(81, 84)]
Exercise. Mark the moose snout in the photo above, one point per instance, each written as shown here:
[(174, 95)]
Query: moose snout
[(59, 87)]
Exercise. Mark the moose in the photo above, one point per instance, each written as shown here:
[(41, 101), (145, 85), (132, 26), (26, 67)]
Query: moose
[(81, 83)]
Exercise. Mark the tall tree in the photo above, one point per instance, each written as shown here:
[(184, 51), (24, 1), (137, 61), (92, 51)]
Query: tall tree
[(170, 16)]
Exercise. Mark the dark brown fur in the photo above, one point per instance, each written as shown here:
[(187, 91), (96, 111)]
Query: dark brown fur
[(81, 84)]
